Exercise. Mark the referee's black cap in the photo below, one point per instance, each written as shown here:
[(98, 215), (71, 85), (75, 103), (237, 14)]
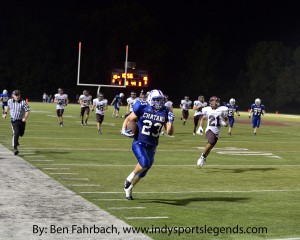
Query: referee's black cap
[(16, 92)]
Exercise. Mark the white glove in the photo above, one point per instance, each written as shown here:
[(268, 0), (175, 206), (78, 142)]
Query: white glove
[(223, 123), (127, 133), (200, 131)]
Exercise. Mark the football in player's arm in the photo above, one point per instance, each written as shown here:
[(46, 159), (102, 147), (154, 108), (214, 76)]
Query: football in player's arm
[(216, 117), (151, 116)]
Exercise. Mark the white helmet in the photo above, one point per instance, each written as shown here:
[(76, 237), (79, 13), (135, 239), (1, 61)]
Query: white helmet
[(257, 102), (121, 95), (156, 99), (232, 101), (5, 91)]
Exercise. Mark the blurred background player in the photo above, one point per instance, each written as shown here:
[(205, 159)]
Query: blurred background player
[(130, 102), (61, 99), (150, 115), (85, 100), (232, 108), (198, 105), (101, 106), (185, 105), (257, 109), (168, 105), (4, 99), (216, 116), (117, 102)]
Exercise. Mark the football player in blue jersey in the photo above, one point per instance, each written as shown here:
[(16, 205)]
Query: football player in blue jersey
[(151, 116), (232, 108), (117, 101), (257, 109), (4, 99)]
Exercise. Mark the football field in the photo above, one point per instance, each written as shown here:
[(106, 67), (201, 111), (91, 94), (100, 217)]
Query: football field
[(249, 188)]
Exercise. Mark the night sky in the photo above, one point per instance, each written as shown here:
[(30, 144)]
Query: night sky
[(238, 24)]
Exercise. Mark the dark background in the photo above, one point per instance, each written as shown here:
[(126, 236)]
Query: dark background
[(240, 49)]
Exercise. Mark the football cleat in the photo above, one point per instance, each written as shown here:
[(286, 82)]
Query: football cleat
[(201, 161), (99, 131), (128, 193)]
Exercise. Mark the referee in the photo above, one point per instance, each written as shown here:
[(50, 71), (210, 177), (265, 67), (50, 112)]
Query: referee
[(19, 112)]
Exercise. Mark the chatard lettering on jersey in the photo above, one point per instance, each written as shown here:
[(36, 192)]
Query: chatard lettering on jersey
[(154, 117)]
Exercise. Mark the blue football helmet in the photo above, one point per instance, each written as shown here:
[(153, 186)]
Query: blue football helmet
[(156, 99)]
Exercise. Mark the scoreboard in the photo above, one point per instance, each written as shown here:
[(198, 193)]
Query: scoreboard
[(133, 79)]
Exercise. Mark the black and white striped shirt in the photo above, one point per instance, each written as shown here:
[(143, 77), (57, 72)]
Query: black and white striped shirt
[(17, 109)]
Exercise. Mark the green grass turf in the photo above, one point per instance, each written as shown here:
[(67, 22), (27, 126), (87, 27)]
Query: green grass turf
[(253, 190)]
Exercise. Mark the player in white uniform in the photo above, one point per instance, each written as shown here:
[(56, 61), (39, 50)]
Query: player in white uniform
[(198, 105), (130, 102), (85, 100), (185, 105), (62, 100), (101, 106), (168, 105), (216, 116)]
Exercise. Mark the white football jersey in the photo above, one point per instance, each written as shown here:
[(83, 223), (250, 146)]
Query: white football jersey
[(197, 103), (85, 100), (214, 117), (185, 105), (61, 100), (169, 105), (100, 105), (131, 102)]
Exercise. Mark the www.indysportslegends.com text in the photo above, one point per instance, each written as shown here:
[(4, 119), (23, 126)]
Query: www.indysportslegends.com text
[(167, 230)]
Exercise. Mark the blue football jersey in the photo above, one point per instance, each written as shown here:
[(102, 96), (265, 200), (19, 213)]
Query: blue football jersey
[(257, 110), (231, 109), (150, 122)]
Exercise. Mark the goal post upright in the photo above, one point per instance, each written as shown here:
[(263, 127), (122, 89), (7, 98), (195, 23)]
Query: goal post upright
[(100, 85)]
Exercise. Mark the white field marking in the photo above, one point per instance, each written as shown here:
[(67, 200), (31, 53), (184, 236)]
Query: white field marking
[(297, 238), (41, 160), (37, 156), (65, 116), (56, 168), (75, 179), (110, 199), (289, 116), (212, 191), (121, 208), (103, 123), (246, 154), (128, 150), (39, 111), (274, 157), (70, 138), (63, 173), (83, 185), (242, 152), (171, 165), (155, 217)]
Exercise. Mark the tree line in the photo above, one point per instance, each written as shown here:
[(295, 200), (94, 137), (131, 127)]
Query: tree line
[(39, 53)]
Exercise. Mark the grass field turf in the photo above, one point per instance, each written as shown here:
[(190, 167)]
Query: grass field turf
[(249, 181)]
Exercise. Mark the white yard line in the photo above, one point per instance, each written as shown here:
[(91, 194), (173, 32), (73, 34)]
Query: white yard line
[(83, 185), (75, 179), (170, 165), (205, 191), (63, 173), (56, 168), (154, 217), (125, 208), (40, 160)]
